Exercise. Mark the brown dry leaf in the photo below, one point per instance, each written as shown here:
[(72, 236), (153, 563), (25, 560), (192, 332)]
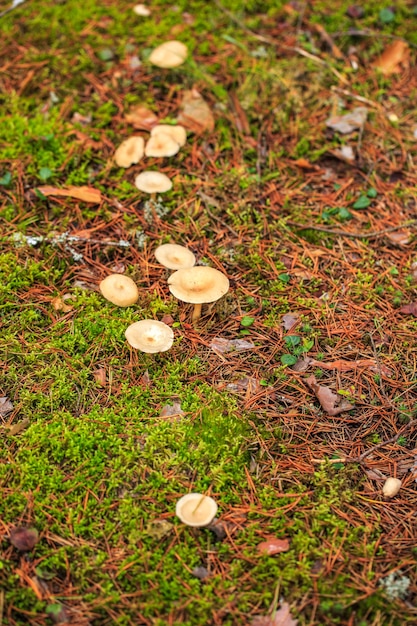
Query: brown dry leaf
[(400, 238), (86, 194), (394, 59), (248, 384), (272, 545), (172, 410), (289, 320), (330, 402), (301, 365), (19, 427), (100, 376), (59, 303), (409, 309), (304, 164), (5, 406), (282, 617), (24, 538), (348, 122), (196, 114), (168, 319), (222, 345), (142, 118), (343, 366), (158, 529)]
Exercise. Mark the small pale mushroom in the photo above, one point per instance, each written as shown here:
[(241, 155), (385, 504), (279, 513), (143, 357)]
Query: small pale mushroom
[(150, 336), (391, 487), (153, 182), (142, 10), (177, 132), (198, 285), (119, 289), (161, 145), (196, 509), (174, 257), (130, 151), (169, 54)]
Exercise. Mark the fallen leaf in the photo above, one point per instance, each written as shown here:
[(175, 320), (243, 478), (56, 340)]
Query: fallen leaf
[(5, 406), (394, 59), (304, 164), (349, 122), (141, 117), (301, 365), (345, 153), (289, 320), (282, 617), (409, 309), (78, 118), (248, 384), (24, 538), (272, 545), (330, 402), (59, 303), (200, 572), (196, 114), (167, 319), (222, 345), (86, 194), (343, 366), (172, 410), (19, 427), (100, 376), (158, 528), (400, 238), (382, 369)]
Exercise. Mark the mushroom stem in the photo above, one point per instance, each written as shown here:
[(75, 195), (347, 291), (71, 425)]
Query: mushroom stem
[(196, 313)]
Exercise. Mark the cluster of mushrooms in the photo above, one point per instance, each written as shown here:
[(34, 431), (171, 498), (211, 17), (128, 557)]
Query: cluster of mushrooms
[(189, 283), (165, 139)]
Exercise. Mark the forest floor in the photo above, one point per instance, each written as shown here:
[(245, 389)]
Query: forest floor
[(292, 399)]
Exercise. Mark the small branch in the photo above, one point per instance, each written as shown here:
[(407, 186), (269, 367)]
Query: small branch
[(344, 233)]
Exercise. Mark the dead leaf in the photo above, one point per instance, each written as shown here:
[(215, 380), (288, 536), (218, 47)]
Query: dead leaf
[(394, 59), (200, 572), (59, 303), (100, 376), (24, 538), (172, 410), (86, 194), (305, 165), (248, 384), (78, 118), (282, 617), (345, 153), (222, 345), (168, 319), (400, 238), (343, 366), (196, 114), (349, 122), (158, 529), (330, 402), (19, 427), (142, 118), (272, 545), (301, 365), (289, 320), (409, 309), (5, 406)]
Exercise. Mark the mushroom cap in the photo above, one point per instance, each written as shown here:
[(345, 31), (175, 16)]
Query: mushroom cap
[(198, 284), (153, 182), (178, 132), (130, 151), (150, 336), (174, 257), (161, 145), (196, 509), (142, 10), (119, 289), (169, 54)]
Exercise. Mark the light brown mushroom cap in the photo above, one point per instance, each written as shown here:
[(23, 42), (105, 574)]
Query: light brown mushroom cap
[(178, 132), (161, 145), (142, 10), (174, 257), (119, 289), (150, 336), (130, 151), (198, 284), (196, 509), (153, 182), (169, 54)]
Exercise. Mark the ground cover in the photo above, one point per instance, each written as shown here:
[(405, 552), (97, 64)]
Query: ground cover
[(315, 230)]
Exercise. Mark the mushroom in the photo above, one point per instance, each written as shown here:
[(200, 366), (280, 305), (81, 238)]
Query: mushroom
[(130, 151), (177, 132), (391, 487), (198, 285), (161, 145), (119, 289), (169, 54), (142, 10), (174, 257), (153, 182), (150, 336), (196, 509)]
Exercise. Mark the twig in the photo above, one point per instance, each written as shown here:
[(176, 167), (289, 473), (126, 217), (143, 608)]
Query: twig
[(344, 233), (402, 430), (348, 93), (14, 5), (271, 42)]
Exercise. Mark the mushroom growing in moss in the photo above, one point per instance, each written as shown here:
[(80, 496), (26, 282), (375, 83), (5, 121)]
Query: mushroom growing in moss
[(169, 54), (177, 132), (196, 509), (130, 151), (150, 336), (161, 145), (119, 289), (174, 257), (198, 285), (153, 182)]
